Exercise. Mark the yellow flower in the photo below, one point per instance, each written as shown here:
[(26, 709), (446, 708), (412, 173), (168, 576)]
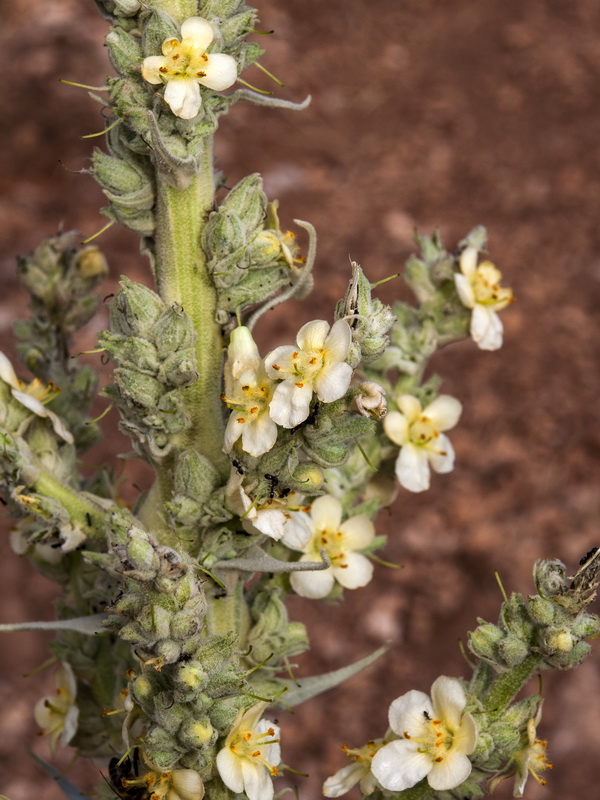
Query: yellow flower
[(185, 65)]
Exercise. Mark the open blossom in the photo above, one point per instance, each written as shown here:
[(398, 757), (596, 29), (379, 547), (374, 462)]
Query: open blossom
[(56, 714), (419, 433), (248, 391), (185, 65), (179, 784), (33, 396), (479, 289), (250, 755), (340, 540), (316, 365), (436, 738), (532, 759), (274, 516), (358, 772)]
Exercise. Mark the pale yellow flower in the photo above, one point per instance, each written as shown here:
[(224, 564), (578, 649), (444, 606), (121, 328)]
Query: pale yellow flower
[(56, 714), (185, 65)]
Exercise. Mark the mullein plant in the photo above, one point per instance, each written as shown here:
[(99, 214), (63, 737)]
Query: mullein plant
[(173, 645)]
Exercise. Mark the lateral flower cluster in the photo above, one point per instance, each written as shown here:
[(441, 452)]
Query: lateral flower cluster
[(280, 389)]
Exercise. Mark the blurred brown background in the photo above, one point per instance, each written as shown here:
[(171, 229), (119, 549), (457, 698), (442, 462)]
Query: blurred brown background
[(429, 114)]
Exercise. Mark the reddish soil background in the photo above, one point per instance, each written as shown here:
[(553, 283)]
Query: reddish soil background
[(428, 115)]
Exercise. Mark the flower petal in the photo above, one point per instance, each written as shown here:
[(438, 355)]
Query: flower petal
[(312, 335), (442, 458), (357, 572), (296, 533), (280, 357), (221, 72), (326, 513), (338, 341), (395, 426), (399, 765), (358, 532), (468, 261), (7, 372), (257, 780), (449, 773), (151, 68), (183, 97), (406, 712), (444, 412), (259, 435), (198, 29), (410, 406), (290, 404), (271, 522), (486, 328), (412, 468), (449, 700), (233, 430), (344, 779), (313, 584), (230, 770), (333, 382)]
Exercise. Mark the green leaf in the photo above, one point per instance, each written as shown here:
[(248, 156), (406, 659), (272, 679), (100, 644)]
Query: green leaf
[(310, 687)]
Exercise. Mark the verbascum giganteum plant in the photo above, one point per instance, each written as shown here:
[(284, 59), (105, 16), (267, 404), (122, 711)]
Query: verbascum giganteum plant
[(173, 639)]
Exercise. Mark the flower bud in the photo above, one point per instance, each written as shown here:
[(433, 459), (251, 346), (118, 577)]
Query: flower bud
[(370, 400), (173, 331), (483, 641), (541, 610), (197, 733), (549, 576), (512, 650)]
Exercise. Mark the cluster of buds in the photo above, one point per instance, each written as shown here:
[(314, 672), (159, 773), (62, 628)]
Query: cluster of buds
[(153, 346), (249, 257), (468, 737)]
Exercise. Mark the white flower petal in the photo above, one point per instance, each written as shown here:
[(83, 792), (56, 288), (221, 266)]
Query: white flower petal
[(198, 29), (399, 765), (151, 69), (406, 712), (338, 341), (410, 406), (333, 382), (257, 781), (7, 372), (30, 402), (344, 779), (442, 459), (221, 72), (296, 533), (187, 784), (444, 412), (312, 335), (290, 404), (230, 770), (281, 356), (486, 328), (358, 532), (395, 426), (449, 773), (357, 571), (271, 522), (468, 261), (326, 513), (412, 468), (449, 700), (314, 584), (242, 353), (59, 427), (466, 737), (183, 97), (233, 430), (258, 435)]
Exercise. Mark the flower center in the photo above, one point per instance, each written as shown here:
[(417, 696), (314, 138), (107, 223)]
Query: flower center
[(248, 745), (304, 366), (487, 289), (333, 544), (184, 59), (435, 739), (42, 392), (423, 432), (251, 401)]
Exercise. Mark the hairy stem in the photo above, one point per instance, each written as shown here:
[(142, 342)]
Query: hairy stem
[(182, 277)]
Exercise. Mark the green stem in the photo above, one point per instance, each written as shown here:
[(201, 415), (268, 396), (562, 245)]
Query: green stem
[(90, 517), (182, 277), (508, 684)]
